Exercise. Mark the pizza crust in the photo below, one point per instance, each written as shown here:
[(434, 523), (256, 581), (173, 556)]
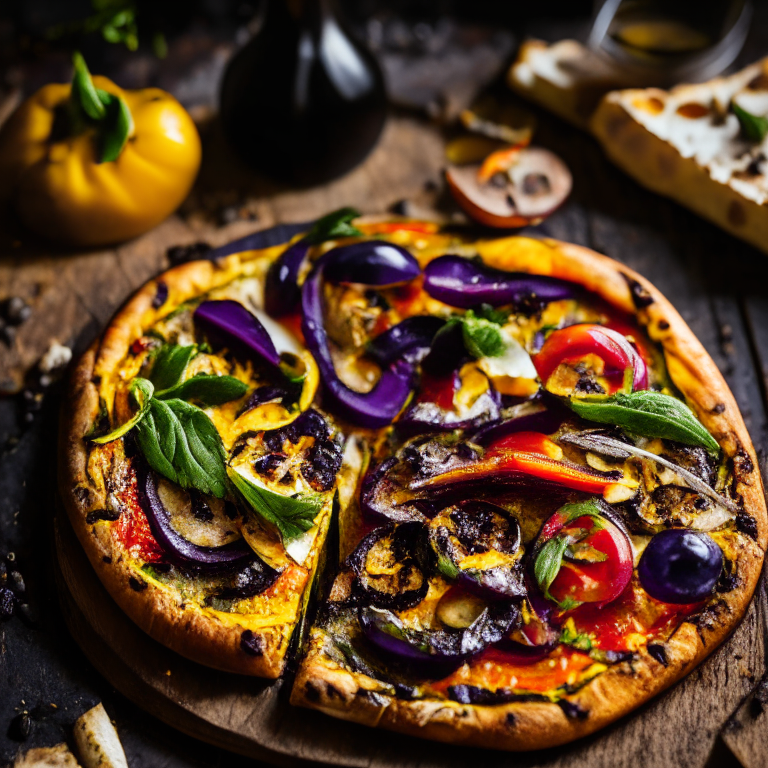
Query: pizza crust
[(518, 726)]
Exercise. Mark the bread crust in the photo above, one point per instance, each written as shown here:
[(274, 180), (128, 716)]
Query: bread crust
[(200, 636), (660, 167), (522, 726)]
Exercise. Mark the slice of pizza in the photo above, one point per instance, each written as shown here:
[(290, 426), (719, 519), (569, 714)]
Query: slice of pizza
[(197, 471), (702, 145), (565, 77), (565, 515)]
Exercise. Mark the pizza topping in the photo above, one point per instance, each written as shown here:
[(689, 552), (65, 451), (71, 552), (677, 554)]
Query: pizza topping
[(583, 556), (477, 544), (607, 355), (390, 567), (282, 294), (408, 339), (647, 413), (524, 458), (465, 283), (369, 263), (680, 476), (175, 547), (434, 649), (680, 566)]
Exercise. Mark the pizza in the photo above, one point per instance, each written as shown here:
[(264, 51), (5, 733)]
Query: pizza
[(703, 145), (486, 492)]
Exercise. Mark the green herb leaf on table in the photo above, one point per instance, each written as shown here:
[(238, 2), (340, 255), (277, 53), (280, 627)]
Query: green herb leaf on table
[(208, 389), (754, 127), (334, 225), (169, 365), (140, 391), (180, 442), (292, 516), (649, 414)]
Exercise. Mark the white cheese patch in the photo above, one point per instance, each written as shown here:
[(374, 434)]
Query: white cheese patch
[(515, 361)]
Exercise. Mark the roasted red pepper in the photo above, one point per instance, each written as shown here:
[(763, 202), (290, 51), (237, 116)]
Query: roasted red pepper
[(572, 344), (528, 454)]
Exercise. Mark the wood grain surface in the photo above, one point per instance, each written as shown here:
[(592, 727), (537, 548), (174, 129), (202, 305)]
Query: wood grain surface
[(712, 718)]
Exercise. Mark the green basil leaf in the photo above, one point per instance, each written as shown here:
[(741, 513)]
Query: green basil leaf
[(292, 516), (115, 127), (334, 225), (169, 365), (140, 391), (548, 562), (754, 127), (646, 413), (84, 93), (207, 389), (180, 442), (589, 508), (482, 338), (492, 315)]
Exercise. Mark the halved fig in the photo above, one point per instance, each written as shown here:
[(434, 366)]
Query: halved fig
[(533, 188)]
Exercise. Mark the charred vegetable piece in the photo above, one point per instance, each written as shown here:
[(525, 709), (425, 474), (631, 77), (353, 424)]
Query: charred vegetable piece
[(585, 342), (437, 647), (385, 491), (390, 567), (477, 543), (408, 338), (523, 458), (680, 566), (380, 406), (177, 549), (583, 555), (530, 416), (464, 283), (435, 409)]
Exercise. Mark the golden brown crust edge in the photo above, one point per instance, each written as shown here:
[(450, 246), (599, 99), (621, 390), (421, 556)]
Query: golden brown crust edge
[(533, 725), (187, 630), (657, 165)]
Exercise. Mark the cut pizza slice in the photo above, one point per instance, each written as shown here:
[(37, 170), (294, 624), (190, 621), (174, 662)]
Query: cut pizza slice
[(197, 473), (702, 145)]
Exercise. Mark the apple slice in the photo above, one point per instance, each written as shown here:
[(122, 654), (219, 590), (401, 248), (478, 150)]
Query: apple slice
[(533, 187)]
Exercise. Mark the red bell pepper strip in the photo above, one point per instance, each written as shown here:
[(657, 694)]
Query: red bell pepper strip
[(571, 344), (523, 455)]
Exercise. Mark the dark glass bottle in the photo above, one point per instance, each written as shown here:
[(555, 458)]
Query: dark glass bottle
[(302, 100)]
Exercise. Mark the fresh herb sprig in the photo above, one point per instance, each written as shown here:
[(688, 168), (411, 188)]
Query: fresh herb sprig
[(291, 515), (754, 127), (649, 414)]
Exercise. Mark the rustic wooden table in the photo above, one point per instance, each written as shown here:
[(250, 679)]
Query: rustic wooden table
[(713, 718)]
